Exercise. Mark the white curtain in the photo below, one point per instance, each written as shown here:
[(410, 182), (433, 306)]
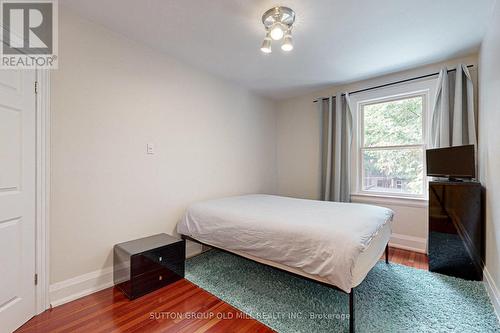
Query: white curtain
[(453, 115), (336, 148)]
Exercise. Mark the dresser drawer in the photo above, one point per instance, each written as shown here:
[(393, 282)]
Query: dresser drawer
[(171, 257), (152, 280)]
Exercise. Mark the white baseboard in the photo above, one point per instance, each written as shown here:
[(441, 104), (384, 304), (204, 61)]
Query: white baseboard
[(493, 292), (410, 243), (80, 286), (86, 284), (193, 249)]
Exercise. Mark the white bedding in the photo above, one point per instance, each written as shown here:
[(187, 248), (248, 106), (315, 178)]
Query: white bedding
[(321, 239)]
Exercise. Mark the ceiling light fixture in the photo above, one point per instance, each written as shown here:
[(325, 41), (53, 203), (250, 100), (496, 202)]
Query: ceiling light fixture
[(266, 44), (278, 22), (287, 43), (277, 31)]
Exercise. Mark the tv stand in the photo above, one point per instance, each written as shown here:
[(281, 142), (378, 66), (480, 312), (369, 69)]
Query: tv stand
[(456, 180), (456, 229)]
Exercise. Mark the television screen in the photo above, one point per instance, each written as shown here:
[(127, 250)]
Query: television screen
[(453, 162)]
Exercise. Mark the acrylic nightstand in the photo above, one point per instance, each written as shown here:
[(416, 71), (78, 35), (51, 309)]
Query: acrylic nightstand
[(146, 264)]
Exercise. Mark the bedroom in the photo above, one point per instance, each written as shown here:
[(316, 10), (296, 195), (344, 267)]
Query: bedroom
[(157, 116)]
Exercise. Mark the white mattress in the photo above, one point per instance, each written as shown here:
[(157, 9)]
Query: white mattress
[(335, 243), (366, 260)]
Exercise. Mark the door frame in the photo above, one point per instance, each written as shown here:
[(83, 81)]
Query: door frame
[(42, 109)]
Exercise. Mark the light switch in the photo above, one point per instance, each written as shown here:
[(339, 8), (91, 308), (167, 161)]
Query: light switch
[(150, 148)]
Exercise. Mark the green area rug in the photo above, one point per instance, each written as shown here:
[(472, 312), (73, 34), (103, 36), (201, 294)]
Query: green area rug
[(392, 298)]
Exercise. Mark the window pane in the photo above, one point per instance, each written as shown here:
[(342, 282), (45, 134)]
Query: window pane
[(393, 171), (393, 123)]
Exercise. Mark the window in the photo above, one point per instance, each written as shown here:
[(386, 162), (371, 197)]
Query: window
[(392, 146)]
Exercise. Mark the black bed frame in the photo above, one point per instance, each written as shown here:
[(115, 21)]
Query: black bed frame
[(351, 294)]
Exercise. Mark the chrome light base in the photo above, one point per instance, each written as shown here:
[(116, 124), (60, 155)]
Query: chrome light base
[(283, 15)]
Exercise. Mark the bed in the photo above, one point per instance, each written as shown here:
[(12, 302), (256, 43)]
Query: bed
[(333, 243)]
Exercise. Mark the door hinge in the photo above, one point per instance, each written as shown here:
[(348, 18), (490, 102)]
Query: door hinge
[(36, 87), (36, 279)]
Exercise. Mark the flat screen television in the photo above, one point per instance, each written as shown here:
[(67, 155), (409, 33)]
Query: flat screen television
[(452, 162)]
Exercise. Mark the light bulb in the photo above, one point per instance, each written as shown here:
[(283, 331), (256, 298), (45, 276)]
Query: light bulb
[(277, 31), (266, 45), (287, 43)]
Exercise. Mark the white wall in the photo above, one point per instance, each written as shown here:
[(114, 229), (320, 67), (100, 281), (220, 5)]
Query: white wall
[(110, 97), (298, 152), (489, 148)]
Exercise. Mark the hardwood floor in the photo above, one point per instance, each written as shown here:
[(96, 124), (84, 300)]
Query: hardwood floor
[(409, 258), (179, 307)]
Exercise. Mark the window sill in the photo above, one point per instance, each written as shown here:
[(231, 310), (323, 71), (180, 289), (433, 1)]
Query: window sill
[(389, 200)]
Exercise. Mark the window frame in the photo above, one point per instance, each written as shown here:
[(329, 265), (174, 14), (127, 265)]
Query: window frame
[(422, 88)]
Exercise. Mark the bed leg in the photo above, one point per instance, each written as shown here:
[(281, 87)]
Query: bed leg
[(351, 311), (387, 254)]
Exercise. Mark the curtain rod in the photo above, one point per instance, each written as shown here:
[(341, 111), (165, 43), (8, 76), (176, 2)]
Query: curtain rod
[(392, 83)]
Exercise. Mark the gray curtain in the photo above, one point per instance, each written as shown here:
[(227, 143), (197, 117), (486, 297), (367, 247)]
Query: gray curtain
[(336, 148), (453, 115)]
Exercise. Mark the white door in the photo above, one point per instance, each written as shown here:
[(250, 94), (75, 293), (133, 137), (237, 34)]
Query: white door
[(17, 198)]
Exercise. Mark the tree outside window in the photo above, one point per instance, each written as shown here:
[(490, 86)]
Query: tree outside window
[(393, 147)]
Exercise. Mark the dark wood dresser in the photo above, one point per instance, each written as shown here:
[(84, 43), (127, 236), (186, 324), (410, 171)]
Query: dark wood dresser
[(146, 264), (456, 229)]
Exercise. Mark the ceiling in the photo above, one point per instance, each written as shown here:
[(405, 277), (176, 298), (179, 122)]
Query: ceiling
[(336, 41)]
